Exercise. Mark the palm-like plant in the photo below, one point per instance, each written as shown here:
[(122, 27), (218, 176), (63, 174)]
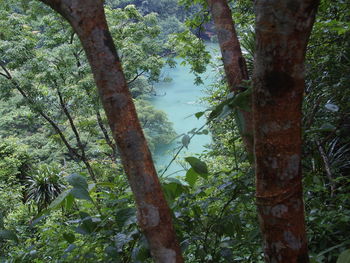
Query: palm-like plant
[(44, 185), (338, 155)]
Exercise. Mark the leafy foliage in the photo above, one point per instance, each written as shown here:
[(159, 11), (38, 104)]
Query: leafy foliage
[(72, 218)]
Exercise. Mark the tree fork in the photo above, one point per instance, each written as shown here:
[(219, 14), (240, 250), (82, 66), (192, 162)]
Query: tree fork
[(88, 20)]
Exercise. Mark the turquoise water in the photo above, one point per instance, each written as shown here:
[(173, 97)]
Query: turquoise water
[(180, 99)]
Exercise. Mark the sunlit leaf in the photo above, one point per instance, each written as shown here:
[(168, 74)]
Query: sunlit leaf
[(198, 166), (344, 257), (68, 204), (191, 177), (199, 114), (77, 180), (59, 199), (81, 193)]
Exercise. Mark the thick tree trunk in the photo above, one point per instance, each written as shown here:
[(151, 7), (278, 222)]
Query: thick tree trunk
[(234, 63), (88, 20), (282, 31)]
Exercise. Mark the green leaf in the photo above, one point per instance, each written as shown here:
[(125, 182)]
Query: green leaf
[(216, 111), (174, 180), (141, 254), (43, 214), (199, 114), (191, 177), (112, 252), (81, 193), (125, 216), (68, 204), (77, 180), (8, 235), (242, 100), (69, 237), (239, 121), (169, 190), (198, 166), (205, 131), (87, 226), (344, 257), (70, 248), (173, 188), (59, 199)]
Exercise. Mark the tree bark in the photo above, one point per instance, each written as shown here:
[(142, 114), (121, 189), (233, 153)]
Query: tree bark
[(282, 32), (234, 62), (88, 21)]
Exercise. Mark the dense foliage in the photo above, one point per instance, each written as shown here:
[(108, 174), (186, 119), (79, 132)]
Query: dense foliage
[(63, 193)]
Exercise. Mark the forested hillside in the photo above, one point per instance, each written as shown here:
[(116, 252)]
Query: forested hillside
[(77, 179)]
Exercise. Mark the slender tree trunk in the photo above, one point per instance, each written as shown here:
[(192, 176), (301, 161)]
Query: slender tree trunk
[(282, 31), (80, 145), (88, 20), (234, 62)]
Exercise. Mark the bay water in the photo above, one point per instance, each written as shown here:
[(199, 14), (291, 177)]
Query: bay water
[(180, 99)]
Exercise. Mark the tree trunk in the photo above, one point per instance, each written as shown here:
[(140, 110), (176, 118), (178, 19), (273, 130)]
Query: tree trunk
[(282, 31), (88, 20), (234, 63)]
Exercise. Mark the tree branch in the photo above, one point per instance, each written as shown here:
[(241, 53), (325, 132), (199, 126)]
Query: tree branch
[(7, 75), (77, 136), (72, 152), (137, 75), (178, 152)]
